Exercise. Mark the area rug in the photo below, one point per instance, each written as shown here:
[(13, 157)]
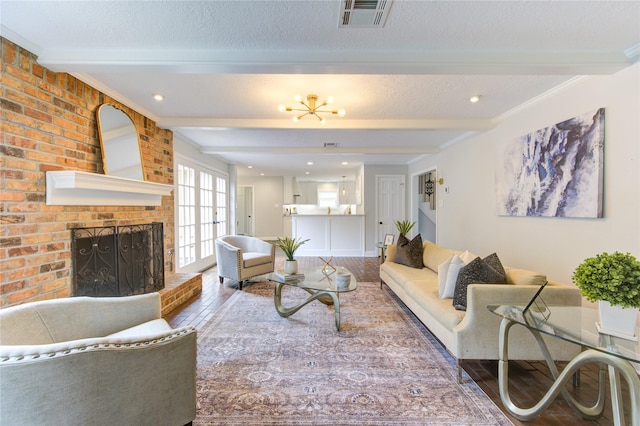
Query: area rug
[(382, 368)]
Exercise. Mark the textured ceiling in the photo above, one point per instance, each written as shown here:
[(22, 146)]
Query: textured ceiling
[(224, 66)]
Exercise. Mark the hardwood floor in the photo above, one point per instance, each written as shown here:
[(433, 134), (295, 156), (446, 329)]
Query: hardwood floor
[(528, 381)]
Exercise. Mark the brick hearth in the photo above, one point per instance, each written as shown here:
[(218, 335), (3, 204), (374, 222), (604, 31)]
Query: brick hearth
[(179, 289)]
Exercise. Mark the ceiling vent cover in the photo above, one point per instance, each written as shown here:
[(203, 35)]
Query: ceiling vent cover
[(364, 13), (331, 144)]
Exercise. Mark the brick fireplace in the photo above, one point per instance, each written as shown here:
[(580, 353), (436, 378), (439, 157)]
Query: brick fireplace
[(113, 261), (49, 124)]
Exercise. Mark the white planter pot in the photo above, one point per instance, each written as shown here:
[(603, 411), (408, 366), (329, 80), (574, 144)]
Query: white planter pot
[(616, 320), (290, 266)]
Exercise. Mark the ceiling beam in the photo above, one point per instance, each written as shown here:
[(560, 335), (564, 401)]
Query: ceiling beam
[(336, 62), (342, 124)]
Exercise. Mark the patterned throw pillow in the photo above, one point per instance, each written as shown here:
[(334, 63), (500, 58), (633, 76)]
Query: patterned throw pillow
[(409, 253), (479, 271)]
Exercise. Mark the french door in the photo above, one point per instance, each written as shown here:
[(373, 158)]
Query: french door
[(201, 215)]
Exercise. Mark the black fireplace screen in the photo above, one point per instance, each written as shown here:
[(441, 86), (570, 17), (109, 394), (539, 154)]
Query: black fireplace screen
[(117, 260)]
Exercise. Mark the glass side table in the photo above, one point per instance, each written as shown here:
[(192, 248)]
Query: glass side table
[(383, 251), (576, 325)]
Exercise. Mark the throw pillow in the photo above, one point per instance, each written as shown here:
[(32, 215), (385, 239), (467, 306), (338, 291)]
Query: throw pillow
[(448, 273), (479, 271), (467, 257), (447, 276), (443, 268), (409, 253)]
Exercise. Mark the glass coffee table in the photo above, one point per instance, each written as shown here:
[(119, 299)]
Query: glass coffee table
[(320, 283), (577, 325)]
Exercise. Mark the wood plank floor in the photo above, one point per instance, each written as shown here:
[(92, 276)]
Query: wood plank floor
[(528, 380)]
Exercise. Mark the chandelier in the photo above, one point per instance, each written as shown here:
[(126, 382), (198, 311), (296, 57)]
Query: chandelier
[(311, 107)]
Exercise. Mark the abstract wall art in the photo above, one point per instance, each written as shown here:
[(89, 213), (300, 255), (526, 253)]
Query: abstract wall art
[(557, 171)]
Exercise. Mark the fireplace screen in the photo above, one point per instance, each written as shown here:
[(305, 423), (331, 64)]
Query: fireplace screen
[(117, 260)]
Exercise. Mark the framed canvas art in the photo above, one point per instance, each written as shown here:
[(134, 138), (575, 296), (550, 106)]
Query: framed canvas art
[(556, 171)]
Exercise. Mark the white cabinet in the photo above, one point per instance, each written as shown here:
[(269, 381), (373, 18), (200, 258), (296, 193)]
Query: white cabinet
[(287, 190), (347, 192), (286, 226), (330, 235), (308, 192)]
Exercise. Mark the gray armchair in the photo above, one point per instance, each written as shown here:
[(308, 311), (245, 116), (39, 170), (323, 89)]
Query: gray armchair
[(95, 361), (241, 257)]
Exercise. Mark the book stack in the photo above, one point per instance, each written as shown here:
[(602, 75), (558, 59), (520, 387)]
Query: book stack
[(281, 275)]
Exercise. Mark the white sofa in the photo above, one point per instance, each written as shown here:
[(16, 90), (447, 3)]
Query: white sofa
[(95, 361), (473, 334), (241, 257)]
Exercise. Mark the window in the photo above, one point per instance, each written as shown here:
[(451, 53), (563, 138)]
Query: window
[(328, 198), (186, 216)]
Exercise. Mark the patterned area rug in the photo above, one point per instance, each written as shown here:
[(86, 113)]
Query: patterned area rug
[(382, 368)]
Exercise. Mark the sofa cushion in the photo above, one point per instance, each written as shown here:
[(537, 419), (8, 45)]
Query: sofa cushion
[(252, 258), (401, 273), (409, 253), (524, 277), (147, 328), (425, 293), (479, 271), (433, 255)]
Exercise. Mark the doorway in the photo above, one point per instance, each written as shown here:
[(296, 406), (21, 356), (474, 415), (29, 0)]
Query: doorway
[(390, 204), (426, 204), (244, 215)]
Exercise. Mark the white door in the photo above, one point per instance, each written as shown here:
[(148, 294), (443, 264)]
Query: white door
[(200, 215), (244, 213), (390, 204)]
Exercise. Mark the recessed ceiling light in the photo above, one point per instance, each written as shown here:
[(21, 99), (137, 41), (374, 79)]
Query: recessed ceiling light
[(306, 173), (345, 163), (309, 163), (474, 99), (158, 97), (261, 174), (249, 167)]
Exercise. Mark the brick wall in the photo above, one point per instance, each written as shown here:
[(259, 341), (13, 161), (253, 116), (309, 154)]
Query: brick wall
[(48, 123)]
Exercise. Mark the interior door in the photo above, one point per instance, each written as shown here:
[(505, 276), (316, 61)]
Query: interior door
[(244, 213), (390, 204)]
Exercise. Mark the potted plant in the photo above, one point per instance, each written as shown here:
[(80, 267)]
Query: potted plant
[(612, 280), (289, 246), (404, 226)]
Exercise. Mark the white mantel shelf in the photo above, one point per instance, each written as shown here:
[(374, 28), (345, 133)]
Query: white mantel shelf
[(75, 188)]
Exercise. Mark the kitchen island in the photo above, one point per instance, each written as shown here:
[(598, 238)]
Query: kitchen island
[(329, 234)]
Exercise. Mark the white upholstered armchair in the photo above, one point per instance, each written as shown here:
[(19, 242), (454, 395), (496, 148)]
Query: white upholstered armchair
[(95, 361), (241, 257)]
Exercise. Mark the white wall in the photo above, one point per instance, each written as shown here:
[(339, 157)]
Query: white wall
[(268, 195), (192, 152), (555, 246)]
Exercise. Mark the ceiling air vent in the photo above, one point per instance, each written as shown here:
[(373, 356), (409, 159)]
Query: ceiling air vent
[(364, 13), (331, 144)]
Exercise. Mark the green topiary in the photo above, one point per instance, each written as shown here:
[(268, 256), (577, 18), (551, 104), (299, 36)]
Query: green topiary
[(611, 277), (404, 226)]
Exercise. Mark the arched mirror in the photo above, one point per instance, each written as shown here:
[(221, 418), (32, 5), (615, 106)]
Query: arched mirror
[(119, 141)]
